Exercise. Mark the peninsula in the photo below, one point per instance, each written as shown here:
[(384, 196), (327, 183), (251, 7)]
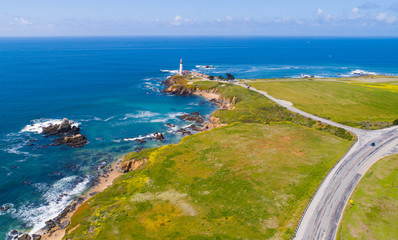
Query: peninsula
[(258, 170)]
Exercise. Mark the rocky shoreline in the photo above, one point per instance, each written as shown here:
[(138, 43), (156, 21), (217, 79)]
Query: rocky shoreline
[(70, 135)]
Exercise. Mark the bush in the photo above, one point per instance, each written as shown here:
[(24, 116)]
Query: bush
[(395, 122)]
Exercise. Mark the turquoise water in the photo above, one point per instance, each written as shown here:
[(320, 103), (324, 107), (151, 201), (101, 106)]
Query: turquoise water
[(110, 87)]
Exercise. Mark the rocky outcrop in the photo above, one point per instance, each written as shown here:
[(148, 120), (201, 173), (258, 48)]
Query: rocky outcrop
[(180, 89), (173, 80), (74, 141), (25, 237), (213, 123), (178, 85), (196, 128), (5, 207), (64, 128), (132, 164), (193, 117), (69, 134), (64, 224), (184, 131), (50, 224), (36, 237), (158, 136), (170, 125)]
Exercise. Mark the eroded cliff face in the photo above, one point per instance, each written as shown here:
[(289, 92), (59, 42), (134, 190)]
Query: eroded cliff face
[(180, 89), (132, 164), (178, 85)]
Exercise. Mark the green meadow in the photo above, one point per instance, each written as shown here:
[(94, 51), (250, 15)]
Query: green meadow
[(373, 211), (358, 104), (251, 179)]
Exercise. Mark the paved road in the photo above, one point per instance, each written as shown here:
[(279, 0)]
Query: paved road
[(323, 214)]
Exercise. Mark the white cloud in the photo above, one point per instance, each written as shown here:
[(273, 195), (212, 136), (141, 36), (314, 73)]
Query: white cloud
[(319, 11), (355, 10), (384, 17), (229, 18), (381, 16), (20, 21), (329, 18), (179, 21)]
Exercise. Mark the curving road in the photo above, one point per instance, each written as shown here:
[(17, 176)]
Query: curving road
[(323, 214)]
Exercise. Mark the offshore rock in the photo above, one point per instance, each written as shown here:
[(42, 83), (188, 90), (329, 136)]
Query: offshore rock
[(74, 141), (193, 117), (5, 207), (69, 134), (158, 136), (140, 141), (64, 128)]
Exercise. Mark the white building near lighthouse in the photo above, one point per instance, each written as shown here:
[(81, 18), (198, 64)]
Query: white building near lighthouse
[(180, 72)]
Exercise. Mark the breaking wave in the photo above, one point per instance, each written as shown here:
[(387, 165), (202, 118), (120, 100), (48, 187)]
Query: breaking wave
[(55, 198), (360, 72), (140, 114), (169, 71), (38, 125)]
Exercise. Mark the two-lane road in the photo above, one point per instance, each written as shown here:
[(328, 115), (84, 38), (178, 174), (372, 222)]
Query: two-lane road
[(323, 214)]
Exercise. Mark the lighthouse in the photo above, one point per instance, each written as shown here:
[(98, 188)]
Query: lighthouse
[(180, 72)]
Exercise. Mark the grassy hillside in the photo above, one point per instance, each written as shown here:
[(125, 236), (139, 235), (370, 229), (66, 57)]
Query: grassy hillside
[(251, 179), (368, 105), (244, 181), (252, 107), (373, 213)]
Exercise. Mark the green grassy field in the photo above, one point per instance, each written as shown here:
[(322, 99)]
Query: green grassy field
[(367, 105), (251, 179), (373, 214), (243, 181), (252, 107)]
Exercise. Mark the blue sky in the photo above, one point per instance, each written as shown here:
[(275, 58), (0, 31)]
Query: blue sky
[(199, 17)]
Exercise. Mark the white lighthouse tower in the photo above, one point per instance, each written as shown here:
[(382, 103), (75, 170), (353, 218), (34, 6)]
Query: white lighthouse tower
[(180, 72)]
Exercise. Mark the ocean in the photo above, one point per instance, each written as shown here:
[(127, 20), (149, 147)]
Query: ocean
[(110, 87)]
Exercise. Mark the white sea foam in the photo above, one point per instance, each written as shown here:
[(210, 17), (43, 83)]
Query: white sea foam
[(205, 66), (140, 114), (139, 137), (169, 71), (360, 72), (169, 116), (159, 120), (109, 118), (38, 125), (52, 204), (15, 149)]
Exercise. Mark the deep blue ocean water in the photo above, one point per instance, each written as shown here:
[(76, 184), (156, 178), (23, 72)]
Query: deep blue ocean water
[(110, 86)]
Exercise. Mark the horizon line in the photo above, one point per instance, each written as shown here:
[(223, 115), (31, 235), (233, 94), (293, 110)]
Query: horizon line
[(207, 36)]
